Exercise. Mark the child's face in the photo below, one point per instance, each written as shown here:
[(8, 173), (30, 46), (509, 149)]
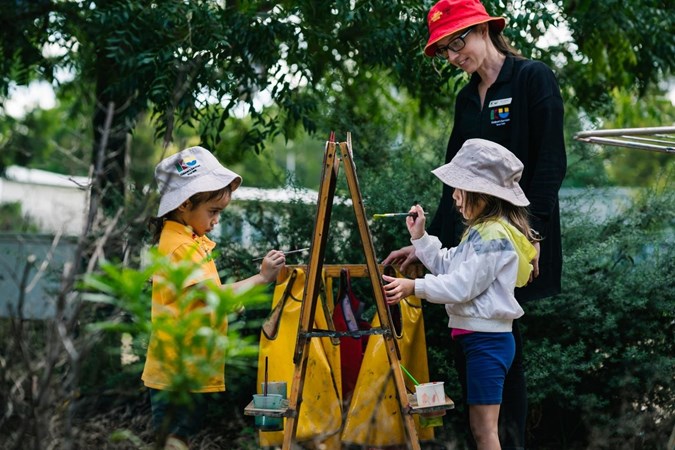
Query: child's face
[(468, 211), (203, 217)]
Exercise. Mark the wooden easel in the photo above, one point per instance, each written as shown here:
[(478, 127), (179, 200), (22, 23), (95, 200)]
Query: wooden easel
[(313, 285)]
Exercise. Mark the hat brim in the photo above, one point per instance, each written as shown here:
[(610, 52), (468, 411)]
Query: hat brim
[(213, 181), (496, 23), (460, 178)]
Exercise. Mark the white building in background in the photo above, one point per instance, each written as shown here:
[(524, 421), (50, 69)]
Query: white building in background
[(55, 203), (58, 203)]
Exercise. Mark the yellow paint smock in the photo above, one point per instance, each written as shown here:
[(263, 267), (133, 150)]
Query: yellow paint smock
[(374, 416), (320, 419)]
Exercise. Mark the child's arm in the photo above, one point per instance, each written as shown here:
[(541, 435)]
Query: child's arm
[(462, 281), (271, 264), (461, 285), (435, 261), (406, 255)]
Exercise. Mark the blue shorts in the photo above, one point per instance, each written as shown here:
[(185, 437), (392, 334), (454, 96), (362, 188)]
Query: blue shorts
[(488, 358)]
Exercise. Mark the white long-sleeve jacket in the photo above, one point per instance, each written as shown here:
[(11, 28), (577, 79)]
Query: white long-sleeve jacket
[(476, 279)]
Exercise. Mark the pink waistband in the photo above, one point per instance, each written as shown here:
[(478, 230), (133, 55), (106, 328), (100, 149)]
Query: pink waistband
[(456, 332)]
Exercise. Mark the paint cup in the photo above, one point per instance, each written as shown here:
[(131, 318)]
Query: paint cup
[(275, 387), (269, 401), (430, 394)]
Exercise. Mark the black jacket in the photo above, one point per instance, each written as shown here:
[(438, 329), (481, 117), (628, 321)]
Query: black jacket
[(523, 111)]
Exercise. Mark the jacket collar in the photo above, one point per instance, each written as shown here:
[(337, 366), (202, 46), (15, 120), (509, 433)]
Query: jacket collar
[(505, 73)]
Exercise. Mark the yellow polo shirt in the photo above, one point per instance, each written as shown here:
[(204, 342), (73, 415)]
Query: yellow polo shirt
[(169, 354)]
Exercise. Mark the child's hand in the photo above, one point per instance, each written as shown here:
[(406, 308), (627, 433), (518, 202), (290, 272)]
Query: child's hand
[(272, 263), (397, 289), (415, 222)]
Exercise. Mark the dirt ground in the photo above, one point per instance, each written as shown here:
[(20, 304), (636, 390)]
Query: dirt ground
[(129, 427), (125, 424)]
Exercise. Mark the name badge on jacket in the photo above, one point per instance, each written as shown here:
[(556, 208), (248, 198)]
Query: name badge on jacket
[(500, 112)]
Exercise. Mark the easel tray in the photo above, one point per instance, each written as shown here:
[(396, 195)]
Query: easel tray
[(250, 410), (416, 409)]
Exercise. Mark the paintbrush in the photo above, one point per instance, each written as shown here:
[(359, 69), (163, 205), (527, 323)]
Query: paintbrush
[(408, 214), (259, 258), (409, 374), (265, 385)]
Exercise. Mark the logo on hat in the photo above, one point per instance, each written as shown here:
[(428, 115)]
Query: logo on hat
[(437, 15), (186, 165)]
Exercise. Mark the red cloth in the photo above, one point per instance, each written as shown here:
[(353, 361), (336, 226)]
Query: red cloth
[(345, 318)]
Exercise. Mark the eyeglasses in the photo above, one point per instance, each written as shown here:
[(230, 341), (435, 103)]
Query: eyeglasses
[(455, 45)]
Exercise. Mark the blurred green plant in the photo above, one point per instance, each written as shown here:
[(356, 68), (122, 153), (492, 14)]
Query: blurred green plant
[(188, 342)]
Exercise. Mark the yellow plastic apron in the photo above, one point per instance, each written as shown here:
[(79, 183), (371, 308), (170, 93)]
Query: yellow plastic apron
[(374, 417), (320, 418)]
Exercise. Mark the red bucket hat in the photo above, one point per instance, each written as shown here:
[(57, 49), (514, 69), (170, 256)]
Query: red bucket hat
[(449, 16)]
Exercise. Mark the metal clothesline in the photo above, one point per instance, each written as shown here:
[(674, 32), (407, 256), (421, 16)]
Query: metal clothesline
[(655, 139)]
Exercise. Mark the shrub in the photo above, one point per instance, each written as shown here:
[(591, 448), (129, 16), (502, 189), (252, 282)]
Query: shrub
[(600, 355)]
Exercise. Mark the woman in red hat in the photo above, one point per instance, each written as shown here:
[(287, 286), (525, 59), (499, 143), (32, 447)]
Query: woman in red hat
[(515, 102)]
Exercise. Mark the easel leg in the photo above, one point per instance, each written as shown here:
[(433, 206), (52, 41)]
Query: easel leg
[(376, 281), (312, 287)]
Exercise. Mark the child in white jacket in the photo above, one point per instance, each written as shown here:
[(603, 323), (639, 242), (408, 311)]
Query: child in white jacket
[(476, 280)]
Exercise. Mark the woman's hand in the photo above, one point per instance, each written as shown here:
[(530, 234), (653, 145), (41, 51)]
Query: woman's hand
[(535, 262), (396, 289), (403, 256)]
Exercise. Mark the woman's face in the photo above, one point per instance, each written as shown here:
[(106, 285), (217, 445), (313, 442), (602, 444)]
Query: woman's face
[(472, 54)]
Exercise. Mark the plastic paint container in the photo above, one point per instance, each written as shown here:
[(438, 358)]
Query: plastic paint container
[(430, 394), (269, 401)]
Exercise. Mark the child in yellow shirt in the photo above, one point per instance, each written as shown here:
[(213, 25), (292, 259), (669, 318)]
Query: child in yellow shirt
[(195, 188)]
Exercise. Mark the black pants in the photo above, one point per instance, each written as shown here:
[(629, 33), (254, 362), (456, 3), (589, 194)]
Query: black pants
[(183, 421), (513, 411)]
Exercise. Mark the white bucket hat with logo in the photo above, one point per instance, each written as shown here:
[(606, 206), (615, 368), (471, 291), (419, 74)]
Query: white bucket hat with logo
[(190, 172), (486, 167)]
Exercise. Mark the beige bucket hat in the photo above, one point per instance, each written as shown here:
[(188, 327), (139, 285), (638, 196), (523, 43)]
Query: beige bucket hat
[(486, 167), (189, 172)]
